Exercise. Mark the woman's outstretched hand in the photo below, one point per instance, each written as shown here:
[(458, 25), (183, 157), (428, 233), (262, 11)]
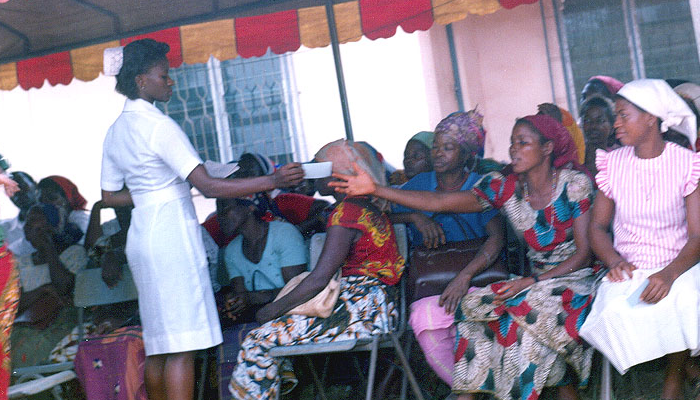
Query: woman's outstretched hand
[(359, 184), (288, 175), (11, 187)]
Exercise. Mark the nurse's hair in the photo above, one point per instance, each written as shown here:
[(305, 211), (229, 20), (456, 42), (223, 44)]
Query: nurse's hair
[(139, 57)]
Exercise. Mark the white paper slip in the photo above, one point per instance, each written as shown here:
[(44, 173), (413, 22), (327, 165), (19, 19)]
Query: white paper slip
[(633, 299)]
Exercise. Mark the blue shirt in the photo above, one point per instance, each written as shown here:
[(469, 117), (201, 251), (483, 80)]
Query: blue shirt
[(284, 248), (463, 227)]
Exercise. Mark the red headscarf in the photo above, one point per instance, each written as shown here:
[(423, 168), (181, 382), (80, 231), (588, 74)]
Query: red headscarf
[(564, 147), (75, 199)]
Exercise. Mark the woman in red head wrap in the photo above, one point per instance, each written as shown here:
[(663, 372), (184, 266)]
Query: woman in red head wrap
[(533, 319), (62, 193)]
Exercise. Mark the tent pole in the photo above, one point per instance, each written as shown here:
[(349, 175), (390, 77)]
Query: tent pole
[(339, 69), (455, 66)]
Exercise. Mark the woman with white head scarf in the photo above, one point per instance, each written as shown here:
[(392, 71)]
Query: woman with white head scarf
[(648, 305)]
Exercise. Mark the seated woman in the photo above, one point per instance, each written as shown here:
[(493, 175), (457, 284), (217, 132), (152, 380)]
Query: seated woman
[(301, 210), (46, 276), (361, 243), (515, 337), (565, 118), (597, 119), (416, 158), (260, 260), (459, 138), (14, 227), (64, 195), (648, 304), (600, 85), (105, 242), (55, 261), (690, 92)]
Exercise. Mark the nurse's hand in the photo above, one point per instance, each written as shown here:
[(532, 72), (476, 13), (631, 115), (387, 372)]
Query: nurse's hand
[(288, 175)]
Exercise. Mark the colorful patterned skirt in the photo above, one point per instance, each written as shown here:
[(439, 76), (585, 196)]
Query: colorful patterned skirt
[(515, 349), (9, 296), (365, 307)]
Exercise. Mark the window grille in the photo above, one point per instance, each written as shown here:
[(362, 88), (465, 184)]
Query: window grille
[(629, 39), (237, 106)]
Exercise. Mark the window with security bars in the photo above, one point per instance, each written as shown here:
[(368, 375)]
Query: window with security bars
[(236, 106), (629, 39)]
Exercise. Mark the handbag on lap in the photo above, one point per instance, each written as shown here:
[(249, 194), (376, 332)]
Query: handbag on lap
[(322, 304), (431, 270)]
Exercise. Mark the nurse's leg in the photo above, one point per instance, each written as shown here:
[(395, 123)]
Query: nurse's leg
[(154, 376), (179, 376)]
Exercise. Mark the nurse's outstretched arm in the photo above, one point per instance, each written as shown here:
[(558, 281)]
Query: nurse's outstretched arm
[(362, 184), (287, 175)]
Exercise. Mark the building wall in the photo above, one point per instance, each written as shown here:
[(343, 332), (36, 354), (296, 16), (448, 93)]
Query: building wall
[(504, 69)]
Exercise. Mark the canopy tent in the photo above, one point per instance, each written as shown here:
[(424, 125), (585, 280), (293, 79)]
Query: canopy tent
[(57, 40)]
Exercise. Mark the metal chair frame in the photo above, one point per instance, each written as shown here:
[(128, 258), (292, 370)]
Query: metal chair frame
[(372, 344)]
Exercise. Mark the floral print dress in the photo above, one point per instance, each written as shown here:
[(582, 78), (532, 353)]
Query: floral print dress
[(365, 307), (515, 349)]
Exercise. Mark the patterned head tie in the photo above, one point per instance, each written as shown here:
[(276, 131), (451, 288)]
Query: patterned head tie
[(466, 128)]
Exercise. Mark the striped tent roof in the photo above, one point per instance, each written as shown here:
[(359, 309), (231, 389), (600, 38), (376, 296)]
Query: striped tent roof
[(248, 35)]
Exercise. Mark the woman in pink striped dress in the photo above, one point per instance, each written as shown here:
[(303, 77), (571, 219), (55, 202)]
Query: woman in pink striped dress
[(648, 305)]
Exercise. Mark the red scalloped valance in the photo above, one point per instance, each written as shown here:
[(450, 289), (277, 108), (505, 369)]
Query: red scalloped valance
[(281, 32)]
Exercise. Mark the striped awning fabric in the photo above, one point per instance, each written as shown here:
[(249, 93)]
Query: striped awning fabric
[(249, 36)]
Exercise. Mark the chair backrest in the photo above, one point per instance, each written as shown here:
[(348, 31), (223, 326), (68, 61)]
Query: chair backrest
[(318, 239), (315, 247), (90, 289)]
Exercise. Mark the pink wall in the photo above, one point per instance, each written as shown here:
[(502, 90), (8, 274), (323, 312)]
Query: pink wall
[(503, 68)]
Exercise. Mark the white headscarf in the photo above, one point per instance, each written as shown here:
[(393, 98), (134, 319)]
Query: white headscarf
[(690, 92), (657, 98)]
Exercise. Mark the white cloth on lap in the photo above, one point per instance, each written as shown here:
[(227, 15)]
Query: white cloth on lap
[(630, 335)]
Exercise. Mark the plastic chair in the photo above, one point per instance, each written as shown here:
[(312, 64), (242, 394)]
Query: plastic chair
[(371, 344), (89, 291)]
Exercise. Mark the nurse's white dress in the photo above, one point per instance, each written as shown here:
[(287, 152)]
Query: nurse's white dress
[(149, 152)]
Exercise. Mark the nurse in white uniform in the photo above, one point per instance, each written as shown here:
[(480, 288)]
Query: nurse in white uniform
[(150, 154)]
